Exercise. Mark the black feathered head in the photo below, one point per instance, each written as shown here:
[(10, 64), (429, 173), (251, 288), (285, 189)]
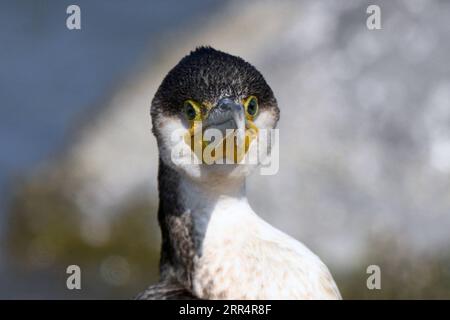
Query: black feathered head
[(211, 90)]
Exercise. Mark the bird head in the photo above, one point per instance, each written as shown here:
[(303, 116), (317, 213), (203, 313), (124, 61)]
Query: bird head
[(208, 115)]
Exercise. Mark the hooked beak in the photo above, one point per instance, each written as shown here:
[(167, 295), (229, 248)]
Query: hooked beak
[(227, 115), (237, 132)]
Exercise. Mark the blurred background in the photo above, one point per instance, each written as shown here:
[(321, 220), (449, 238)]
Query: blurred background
[(364, 137)]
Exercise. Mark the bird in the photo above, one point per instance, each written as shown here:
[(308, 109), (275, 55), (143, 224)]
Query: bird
[(214, 246)]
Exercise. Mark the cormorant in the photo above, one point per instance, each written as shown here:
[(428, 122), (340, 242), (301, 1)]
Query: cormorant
[(214, 246)]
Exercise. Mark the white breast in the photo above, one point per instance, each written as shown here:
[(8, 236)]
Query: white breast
[(243, 257)]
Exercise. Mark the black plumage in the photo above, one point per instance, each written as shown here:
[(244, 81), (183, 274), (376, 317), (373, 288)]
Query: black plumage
[(207, 74)]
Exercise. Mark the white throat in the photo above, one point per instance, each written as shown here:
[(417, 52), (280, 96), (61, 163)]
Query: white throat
[(240, 256), (216, 208)]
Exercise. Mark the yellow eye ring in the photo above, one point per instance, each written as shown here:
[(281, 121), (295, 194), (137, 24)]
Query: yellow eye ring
[(191, 110), (251, 106)]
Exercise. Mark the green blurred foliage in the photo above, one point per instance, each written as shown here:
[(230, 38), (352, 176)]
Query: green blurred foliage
[(45, 234), (405, 274)]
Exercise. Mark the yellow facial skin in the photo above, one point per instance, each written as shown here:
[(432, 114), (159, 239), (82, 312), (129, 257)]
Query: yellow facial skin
[(227, 149)]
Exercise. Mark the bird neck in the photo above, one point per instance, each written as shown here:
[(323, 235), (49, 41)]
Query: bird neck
[(185, 209)]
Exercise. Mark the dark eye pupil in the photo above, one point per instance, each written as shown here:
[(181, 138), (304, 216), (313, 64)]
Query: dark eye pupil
[(190, 111), (252, 107)]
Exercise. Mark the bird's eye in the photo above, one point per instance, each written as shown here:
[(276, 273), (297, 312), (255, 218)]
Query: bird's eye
[(252, 106), (189, 110)]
